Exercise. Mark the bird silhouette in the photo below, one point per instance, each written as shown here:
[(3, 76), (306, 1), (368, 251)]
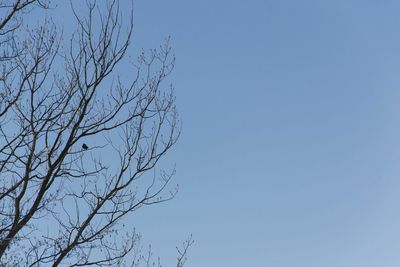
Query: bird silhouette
[(84, 146)]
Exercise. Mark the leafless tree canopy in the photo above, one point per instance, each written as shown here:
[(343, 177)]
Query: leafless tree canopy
[(78, 142)]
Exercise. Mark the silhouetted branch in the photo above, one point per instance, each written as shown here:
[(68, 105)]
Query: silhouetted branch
[(52, 170)]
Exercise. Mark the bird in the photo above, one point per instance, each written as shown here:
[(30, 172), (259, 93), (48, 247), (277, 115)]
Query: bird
[(84, 146)]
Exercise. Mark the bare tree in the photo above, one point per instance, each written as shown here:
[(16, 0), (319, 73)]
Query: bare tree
[(79, 143)]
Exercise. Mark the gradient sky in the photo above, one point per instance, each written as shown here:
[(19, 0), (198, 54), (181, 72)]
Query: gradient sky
[(290, 149)]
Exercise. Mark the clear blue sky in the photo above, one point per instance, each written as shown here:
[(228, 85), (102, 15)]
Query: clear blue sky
[(290, 149)]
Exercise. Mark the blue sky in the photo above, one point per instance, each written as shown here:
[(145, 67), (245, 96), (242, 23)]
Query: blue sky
[(290, 149)]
